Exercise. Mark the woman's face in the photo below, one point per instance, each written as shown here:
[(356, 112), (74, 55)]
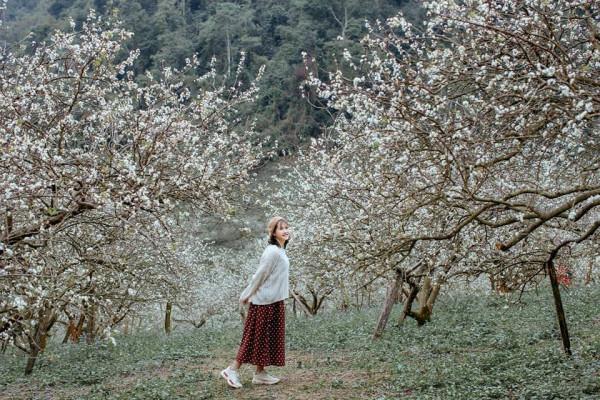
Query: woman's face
[(282, 232)]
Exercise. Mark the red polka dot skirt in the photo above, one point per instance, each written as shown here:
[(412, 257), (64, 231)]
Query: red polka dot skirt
[(263, 341)]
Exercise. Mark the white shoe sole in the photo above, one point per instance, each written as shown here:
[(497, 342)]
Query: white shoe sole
[(255, 382), (229, 381)]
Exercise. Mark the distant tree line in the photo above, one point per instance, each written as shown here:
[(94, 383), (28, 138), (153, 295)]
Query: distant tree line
[(272, 33)]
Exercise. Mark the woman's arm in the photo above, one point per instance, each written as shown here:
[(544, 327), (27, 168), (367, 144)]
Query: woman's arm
[(267, 263)]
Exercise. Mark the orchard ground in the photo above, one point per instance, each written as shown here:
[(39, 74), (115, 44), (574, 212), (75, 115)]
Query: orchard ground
[(476, 347)]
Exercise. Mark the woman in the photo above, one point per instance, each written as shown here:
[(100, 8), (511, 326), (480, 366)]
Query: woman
[(263, 340)]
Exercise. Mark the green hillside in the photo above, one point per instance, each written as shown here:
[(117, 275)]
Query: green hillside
[(272, 33)]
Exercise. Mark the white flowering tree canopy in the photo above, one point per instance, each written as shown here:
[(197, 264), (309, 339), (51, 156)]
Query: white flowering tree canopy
[(473, 133), (78, 133), (92, 158)]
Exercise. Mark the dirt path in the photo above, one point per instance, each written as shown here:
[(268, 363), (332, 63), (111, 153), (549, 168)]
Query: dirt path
[(314, 377), (306, 376)]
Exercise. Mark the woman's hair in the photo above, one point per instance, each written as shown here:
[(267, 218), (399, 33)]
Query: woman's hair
[(272, 227)]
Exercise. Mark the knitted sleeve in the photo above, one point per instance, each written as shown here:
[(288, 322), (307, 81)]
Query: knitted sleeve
[(267, 263)]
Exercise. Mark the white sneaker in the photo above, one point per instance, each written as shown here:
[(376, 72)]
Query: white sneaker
[(232, 377), (263, 378)]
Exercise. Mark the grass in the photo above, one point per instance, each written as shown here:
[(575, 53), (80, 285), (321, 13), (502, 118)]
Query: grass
[(476, 347)]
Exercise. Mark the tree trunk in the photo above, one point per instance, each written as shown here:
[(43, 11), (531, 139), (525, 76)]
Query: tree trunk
[(74, 331), (243, 313), (302, 304), (408, 304), (33, 353), (560, 312), (424, 312), (588, 275), (310, 307), (426, 296), (70, 327), (345, 298), (343, 24), (433, 296), (168, 312), (126, 326), (91, 325), (294, 307), (388, 305), (79, 329), (9, 223), (37, 342)]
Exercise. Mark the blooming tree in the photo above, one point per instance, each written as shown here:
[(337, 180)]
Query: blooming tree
[(94, 164), (319, 265), (474, 136)]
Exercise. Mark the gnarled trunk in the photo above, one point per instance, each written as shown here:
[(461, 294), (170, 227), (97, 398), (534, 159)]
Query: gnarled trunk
[(426, 296), (74, 331), (39, 339), (310, 307)]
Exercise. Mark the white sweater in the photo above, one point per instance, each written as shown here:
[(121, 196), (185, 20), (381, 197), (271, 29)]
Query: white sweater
[(270, 282)]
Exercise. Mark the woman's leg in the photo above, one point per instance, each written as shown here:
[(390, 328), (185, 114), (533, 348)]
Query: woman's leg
[(235, 364), (259, 369)]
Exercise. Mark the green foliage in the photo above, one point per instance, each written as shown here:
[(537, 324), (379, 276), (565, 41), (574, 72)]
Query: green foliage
[(475, 347), (273, 33)]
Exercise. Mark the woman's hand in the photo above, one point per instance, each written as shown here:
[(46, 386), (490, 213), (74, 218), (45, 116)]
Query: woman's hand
[(245, 302)]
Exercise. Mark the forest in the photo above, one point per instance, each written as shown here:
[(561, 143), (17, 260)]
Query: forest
[(271, 33)]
